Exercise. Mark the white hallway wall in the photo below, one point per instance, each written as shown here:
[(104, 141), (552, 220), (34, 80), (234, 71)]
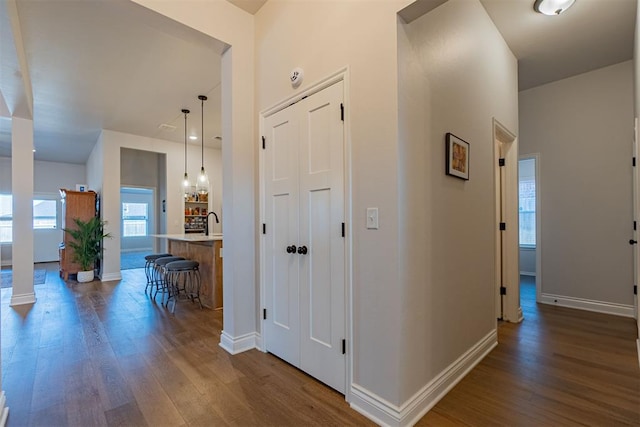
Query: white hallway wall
[(582, 127), (49, 177), (457, 75), (418, 311)]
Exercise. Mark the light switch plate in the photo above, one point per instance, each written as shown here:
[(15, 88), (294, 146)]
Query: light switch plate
[(372, 218)]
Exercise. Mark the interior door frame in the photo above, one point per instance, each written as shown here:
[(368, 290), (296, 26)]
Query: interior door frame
[(507, 260), (636, 217), (341, 75), (153, 206)]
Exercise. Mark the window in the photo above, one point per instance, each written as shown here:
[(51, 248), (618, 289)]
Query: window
[(135, 219), (45, 216), (6, 218), (527, 201)]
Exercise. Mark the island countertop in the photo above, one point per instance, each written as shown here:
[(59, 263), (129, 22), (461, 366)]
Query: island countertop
[(190, 237), (207, 251)]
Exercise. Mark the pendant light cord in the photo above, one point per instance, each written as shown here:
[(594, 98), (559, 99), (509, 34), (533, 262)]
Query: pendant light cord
[(185, 139), (202, 98)]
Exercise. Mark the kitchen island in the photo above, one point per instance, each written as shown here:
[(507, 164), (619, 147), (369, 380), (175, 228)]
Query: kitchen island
[(207, 251)]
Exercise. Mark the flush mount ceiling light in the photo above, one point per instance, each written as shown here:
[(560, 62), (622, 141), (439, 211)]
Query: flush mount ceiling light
[(552, 7)]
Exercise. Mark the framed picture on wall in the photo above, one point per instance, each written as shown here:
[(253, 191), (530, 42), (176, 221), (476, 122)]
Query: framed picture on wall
[(457, 163)]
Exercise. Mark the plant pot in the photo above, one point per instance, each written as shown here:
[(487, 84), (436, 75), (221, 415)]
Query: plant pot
[(85, 276)]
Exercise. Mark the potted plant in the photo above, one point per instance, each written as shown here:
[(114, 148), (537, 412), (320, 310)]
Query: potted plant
[(87, 237)]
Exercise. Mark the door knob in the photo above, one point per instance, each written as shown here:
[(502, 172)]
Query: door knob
[(291, 249), (302, 250), (633, 242)]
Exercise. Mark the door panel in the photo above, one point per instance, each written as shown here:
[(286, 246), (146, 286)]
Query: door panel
[(304, 206), (322, 284), (281, 213)]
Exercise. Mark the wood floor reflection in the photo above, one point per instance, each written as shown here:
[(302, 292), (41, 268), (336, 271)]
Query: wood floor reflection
[(104, 354)]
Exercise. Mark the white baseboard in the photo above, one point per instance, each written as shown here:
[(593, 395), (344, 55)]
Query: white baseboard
[(124, 251), (108, 277), (4, 409), (7, 263), (386, 413), (21, 299), (235, 345), (588, 305), (260, 342)]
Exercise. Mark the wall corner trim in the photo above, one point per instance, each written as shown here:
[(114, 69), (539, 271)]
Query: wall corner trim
[(21, 299), (242, 343), (4, 409), (588, 305), (385, 413), (108, 277)]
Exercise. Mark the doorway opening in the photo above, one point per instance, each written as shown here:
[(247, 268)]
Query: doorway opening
[(137, 225), (529, 230)]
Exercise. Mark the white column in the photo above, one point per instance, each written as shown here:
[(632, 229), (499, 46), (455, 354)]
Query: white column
[(239, 216), (22, 192), (4, 409)]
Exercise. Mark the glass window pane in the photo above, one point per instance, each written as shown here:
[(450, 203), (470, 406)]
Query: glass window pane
[(527, 201), (135, 219), (6, 209), (44, 214)]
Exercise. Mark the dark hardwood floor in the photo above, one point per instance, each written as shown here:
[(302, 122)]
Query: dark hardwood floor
[(103, 354), (559, 367)]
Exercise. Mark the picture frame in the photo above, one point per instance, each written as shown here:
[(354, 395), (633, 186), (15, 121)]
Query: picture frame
[(457, 157)]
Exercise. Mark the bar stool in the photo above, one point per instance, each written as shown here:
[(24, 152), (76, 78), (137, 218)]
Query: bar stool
[(183, 278), (160, 276), (148, 268)]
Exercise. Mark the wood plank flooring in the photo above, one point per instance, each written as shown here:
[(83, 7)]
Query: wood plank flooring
[(104, 354), (560, 367)]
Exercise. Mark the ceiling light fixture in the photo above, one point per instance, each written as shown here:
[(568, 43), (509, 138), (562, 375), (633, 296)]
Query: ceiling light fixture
[(552, 7), (202, 187), (193, 137), (186, 185)]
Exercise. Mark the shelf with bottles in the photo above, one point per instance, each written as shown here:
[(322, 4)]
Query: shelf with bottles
[(194, 197), (195, 211), (194, 222)]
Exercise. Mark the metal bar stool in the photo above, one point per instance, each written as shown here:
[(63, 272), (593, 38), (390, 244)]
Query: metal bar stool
[(183, 279), (160, 276), (148, 268)]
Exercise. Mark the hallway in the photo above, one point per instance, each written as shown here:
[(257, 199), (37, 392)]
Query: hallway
[(560, 366)]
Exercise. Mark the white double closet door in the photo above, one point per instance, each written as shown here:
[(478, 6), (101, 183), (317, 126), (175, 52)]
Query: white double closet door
[(304, 247)]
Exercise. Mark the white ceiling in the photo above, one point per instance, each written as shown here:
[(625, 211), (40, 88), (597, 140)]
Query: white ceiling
[(590, 35), (115, 65)]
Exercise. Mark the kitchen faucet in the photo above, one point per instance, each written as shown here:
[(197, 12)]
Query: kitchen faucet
[(206, 222)]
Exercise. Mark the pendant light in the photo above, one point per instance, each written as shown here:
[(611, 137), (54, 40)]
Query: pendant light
[(186, 185), (202, 186)]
